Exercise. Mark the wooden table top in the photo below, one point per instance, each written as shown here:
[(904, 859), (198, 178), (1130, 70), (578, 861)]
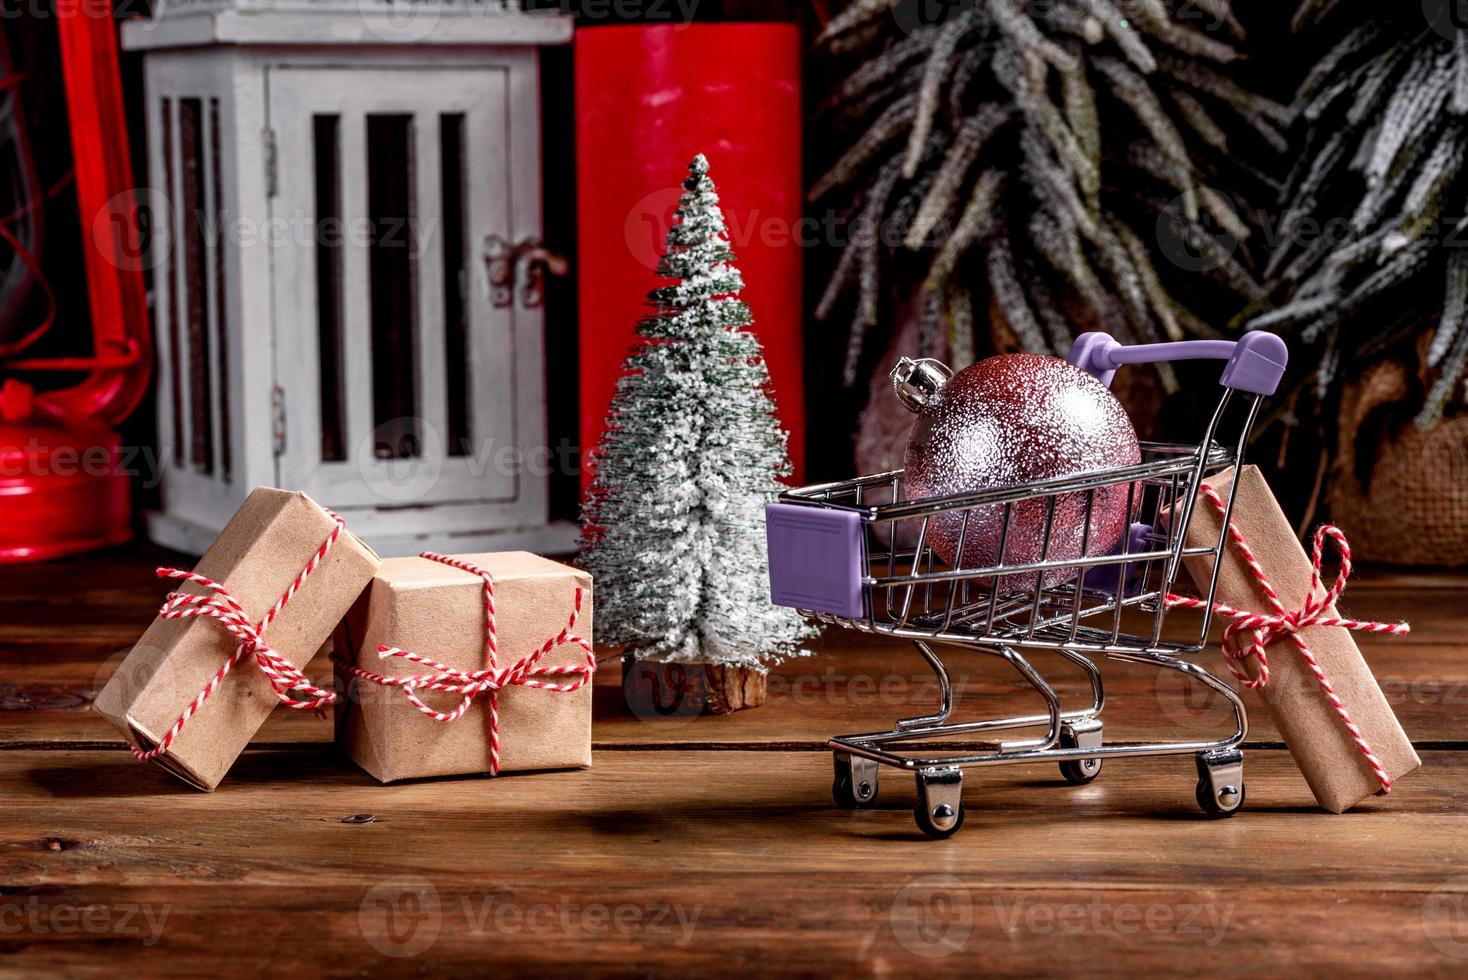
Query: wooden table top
[(711, 844)]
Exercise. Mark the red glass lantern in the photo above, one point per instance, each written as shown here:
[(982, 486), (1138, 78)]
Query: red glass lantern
[(63, 489)]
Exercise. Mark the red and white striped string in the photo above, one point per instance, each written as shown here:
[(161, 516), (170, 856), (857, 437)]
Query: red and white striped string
[(472, 684), (291, 686), (1248, 634)]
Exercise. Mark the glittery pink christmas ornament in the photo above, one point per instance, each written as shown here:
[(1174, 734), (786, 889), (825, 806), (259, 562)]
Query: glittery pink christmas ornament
[(1006, 421)]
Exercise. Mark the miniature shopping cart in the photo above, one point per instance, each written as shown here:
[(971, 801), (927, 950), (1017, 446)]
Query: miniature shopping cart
[(855, 554)]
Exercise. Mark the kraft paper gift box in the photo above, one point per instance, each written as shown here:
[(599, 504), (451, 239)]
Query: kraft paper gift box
[(437, 611), (261, 552), (1333, 765)]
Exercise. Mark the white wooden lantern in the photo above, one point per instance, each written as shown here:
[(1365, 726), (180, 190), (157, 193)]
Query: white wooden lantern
[(327, 179)]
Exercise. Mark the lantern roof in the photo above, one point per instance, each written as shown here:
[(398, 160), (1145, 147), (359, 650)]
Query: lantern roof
[(360, 23)]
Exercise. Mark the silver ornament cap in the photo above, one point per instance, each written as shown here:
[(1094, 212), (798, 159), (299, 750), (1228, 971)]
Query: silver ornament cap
[(917, 382)]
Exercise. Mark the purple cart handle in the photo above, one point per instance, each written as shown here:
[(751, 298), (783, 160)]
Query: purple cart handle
[(1256, 361)]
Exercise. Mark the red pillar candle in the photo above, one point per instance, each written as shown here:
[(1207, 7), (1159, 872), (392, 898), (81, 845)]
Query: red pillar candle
[(648, 98)]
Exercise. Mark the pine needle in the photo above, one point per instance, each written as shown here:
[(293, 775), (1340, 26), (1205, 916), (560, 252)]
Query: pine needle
[(1449, 382), (1011, 19), (1121, 31), (935, 71), (1455, 306), (977, 216), (1196, 116), (891, 124), (966, 147), (1025, 125), (1161, 303), (860, 12), (1009, 296), (1329, 66), (1135, 92), (1459, 104), (959, 304)]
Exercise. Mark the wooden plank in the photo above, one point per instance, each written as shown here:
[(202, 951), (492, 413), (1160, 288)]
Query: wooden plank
[(739, 863), (711, 845), (752, 924), (98, 817), (852, 684), (67, 625)]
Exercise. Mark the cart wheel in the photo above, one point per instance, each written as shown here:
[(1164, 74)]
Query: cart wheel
[(1081, 734), (939, 809), (1220, 790), (1080, 771), (941, 823), (850, 797), (1224, 803), (855, 785)]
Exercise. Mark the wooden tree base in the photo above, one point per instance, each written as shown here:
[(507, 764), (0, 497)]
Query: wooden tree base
[(678, 690)]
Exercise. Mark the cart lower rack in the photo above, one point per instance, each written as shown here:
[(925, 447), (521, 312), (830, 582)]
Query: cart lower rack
[(856, 554)]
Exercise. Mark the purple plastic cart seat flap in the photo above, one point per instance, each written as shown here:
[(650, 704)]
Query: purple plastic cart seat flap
[(1107, 578), (817, 559)]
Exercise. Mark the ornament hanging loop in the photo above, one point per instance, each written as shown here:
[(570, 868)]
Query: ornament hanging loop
[(917, 382)]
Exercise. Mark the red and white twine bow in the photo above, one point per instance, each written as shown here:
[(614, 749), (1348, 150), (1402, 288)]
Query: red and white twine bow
[(291, 686), (493, 679), (1249, 634)]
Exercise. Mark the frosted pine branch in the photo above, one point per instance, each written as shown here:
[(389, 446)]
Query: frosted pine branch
[(1051, 96)]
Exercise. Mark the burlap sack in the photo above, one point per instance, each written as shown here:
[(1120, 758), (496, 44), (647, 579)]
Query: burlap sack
[(1410, 506)]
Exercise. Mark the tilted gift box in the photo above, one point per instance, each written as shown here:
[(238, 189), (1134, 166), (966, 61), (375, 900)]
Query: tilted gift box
[(448, 662), (1327, 752), (283, 572)]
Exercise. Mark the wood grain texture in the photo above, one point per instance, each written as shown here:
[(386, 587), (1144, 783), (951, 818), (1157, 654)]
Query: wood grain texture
[(746, 842), (55, 656), (710, 844), (850, 683)]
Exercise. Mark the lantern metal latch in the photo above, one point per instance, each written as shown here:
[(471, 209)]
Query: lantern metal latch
[(505, 262)]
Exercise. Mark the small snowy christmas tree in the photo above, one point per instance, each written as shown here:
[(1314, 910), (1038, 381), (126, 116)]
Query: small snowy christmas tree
[(673, 524)]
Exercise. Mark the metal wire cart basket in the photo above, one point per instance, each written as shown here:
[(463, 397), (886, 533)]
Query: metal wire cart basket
[(854, 554)]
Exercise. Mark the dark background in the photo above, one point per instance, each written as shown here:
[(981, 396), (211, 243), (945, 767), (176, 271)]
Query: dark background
[(1275, 64)]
